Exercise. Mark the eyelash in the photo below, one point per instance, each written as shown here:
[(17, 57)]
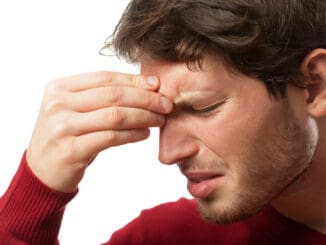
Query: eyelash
[(206, 110)]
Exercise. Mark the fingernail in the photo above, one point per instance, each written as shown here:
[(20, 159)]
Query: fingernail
[(166, 104), (152, 81)]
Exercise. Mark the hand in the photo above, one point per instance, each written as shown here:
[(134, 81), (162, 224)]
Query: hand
[(82, 115)]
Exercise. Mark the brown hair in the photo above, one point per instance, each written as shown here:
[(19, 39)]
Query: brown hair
[(265, 39)]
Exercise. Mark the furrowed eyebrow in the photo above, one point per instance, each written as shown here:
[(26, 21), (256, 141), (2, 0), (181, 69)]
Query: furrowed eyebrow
[(182, 103), (186, 99)]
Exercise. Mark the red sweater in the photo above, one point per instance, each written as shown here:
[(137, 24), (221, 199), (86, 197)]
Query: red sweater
[(31, 213)]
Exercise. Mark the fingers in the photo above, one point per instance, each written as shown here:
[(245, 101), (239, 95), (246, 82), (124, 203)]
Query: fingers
[(98, 141), (82, 115), (103, 79), (98, 98), (112, 118)]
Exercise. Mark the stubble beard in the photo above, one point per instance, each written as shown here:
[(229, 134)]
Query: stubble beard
[(281, 162)]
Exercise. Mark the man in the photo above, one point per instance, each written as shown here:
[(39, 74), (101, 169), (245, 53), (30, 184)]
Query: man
[(238, 89)]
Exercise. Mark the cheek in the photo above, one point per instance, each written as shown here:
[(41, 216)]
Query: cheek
[(231, 133)]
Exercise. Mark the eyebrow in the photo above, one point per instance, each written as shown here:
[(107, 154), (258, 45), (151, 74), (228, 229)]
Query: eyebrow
[(185, 99)]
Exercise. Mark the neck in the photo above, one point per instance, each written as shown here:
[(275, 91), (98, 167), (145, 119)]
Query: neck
[(305, 200)]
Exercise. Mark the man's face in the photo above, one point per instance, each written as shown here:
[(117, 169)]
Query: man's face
[(238, 146)]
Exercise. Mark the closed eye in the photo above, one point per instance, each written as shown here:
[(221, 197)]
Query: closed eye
[(206, 110)]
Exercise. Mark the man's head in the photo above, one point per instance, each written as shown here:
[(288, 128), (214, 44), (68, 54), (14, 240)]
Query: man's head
[(243, 76)]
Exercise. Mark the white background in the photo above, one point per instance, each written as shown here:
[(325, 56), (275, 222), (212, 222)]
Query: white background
[(41, 40)]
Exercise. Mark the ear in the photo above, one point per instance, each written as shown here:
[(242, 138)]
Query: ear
[(313, 68)]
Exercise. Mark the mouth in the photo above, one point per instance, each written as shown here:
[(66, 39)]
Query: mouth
[(202, 184), (201, 179)]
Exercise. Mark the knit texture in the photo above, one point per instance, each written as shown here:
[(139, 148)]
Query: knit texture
[(31, 212)]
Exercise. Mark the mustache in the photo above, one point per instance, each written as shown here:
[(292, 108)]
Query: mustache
[(201, 165)]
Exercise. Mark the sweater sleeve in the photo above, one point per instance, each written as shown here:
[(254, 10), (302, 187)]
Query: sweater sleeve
[(31, 212)]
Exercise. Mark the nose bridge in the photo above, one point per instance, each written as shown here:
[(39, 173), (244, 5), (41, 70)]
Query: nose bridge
[(176, 140)]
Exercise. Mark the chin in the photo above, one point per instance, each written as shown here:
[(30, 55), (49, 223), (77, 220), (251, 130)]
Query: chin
[(219, 212)]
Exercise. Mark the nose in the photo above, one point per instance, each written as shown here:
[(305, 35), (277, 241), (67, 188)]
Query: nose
[(176, 141)]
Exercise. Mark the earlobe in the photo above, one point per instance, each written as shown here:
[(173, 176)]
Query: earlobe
[(314, 70)]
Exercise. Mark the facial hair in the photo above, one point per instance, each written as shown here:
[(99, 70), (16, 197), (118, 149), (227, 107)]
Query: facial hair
[(271, 164)]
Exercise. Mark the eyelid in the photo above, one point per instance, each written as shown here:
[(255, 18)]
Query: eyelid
[(208, 108)]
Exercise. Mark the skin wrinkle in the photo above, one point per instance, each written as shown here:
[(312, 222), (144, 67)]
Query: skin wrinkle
[(260, 153), (241, 211)]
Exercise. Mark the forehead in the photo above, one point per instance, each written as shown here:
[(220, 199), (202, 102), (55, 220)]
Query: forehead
[(209, 63), (177, 79)]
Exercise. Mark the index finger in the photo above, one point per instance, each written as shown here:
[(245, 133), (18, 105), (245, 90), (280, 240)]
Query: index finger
[(106, 78)]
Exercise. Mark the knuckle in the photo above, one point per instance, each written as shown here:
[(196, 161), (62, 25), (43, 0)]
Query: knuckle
[(136, 80), (60, 125), (110, 136), (53, 105), (53, 97), (59, 128), (53, 86), (116, 116), (113, 95)]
